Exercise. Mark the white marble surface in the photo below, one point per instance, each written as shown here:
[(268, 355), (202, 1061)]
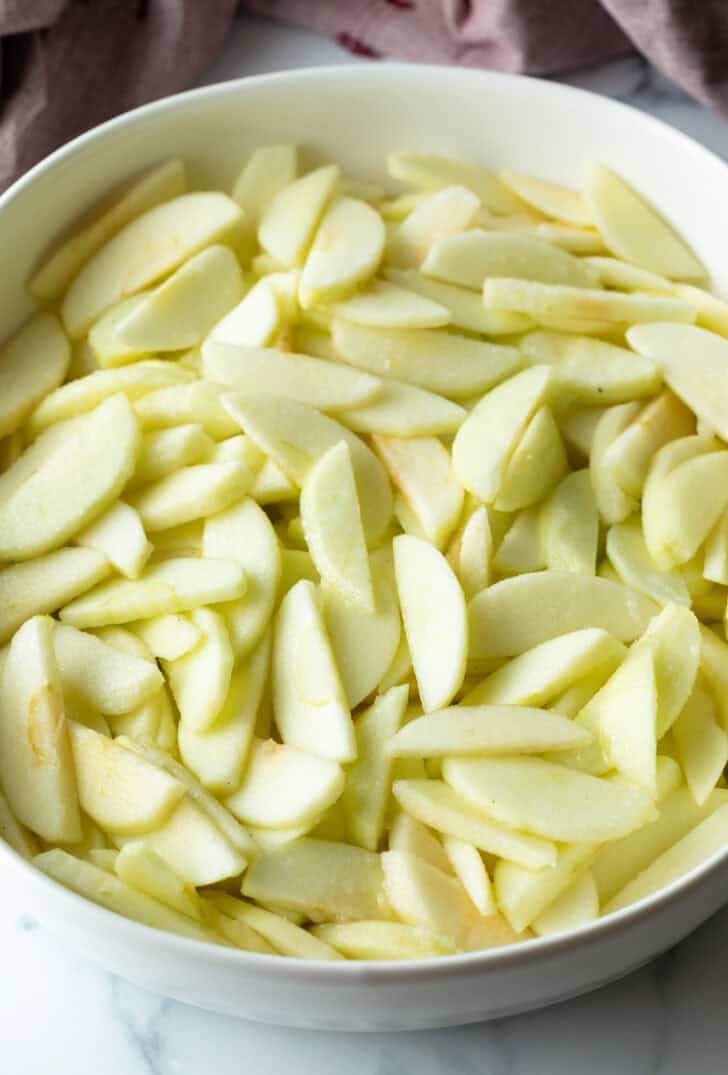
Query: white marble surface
[(60, 1015)]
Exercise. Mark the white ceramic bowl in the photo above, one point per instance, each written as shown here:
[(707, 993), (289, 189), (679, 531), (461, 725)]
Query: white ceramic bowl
[(357, 114)]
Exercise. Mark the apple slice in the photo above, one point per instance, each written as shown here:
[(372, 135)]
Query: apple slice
[(487, 729), (310, 706), (169, 636), (369, 781), (268, 171), (383, 940), (286, 937), (217, 756), (421, 469), (701, 745), (284, 787), (680, 508), (145, 250), (159, 185), (411, 837), (576, 906), (119, 535), (523, 894), (200, 680), (429, 171), (570, 526), (536, 465), (253, 322), (521, 548), (471, 258), (519, 613), (540, 674), (635, 231), (592, 371), (181, 311), (679, 646), (555, 802), (144, 870), (614, 504), (624, 276), (332, 524), (108, 349), (120, 791), (288, 224), (438, 361), (45, 583), (346, 251), (402, 410), (98, 676), (469, 868), (32, 364), (191, 493), (435, 621), (36, 765), (166, 450), (630, 558), (176, 585), (197, 402), (450, 210), (383, 305), (295, 436), (581, 241), (254, 371), (49, 495), (551, 199), (471, 552), (488, 437), (546, 302), (464, 307), (324, 879), (15, 835)]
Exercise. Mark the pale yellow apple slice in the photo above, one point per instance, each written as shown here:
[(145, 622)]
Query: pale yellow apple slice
[(107, 348), (624, 276), (519, 613), (267, 171), (364, 642), (675, 639), (712, 311), (120, 791), (254, 371), (49, 495), (311, 709), (181, 311), (284, 787), (701, 745), (191, 493), (217, 756), (635, 231), (625, 712), (435, 620), (663, 419), (577, 425), (614, 504), (411, 837), (628, 555), (295, 436), (86, 393), (166, 450), (544, 302), (200, 680), (540, 674), (693, 362), (448, 211), (46, 583), (487, 729), (679, 509), (443, 362), (570, 526), (36, 765), (432, 172), (332, 524), (576, 906), (145, 250), (285, 936), (551, 199), (369, 781), (383, 940), (551, 800), (198, 403), (581, 241), (523, 894), (472, 257), (421, 469), (464, 307), (16, 835), (253, 322), (402, 410), (98, 676), (715, 567), (102, 887), (119, 535), (143, 869), (488, 437), (288, 223), (234, 933), (169, 636), (176, 585), (537, 464), (159, 185), (384, 305), (471, 552), (323, 879), (592, 371), (521, 548), (32, 364), (345, 253)]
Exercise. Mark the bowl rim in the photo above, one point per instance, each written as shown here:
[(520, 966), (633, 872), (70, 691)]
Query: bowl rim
[(355, 972)]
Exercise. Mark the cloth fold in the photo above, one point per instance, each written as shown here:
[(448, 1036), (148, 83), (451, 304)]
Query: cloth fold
[(66, 65)]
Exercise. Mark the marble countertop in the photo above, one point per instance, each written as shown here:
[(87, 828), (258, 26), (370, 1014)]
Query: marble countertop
[(60, 1015)]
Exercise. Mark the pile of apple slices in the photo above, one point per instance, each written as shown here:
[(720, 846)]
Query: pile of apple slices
[(364, 559)]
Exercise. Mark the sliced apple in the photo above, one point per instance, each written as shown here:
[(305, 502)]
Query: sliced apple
[(624, 276), (200, 680), (169, 636), (592, 371), (384, 305), (345, 253), (254, 321), (145, 250), (432, 172), (576, 906), (472, 257), (383, 940), (537, 464), (191, 493), (268, 170), (468, 866), (166, 450), (119, 535), (463, 306), (285, 936), (570, 526), (107, 348), (629, 556), (288, 223), (471, 553), (680, 508), (521, 549), (16, 835), (438, 361), (421, 469), (449, 211), (143, 869), (545, 302), (411, 837), (402, 410), (32, 364), (551, 199), (197, 402), (701, 745), (97, 675), (634, 230)]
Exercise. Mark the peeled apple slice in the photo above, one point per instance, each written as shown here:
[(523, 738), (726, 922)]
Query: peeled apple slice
[(592, 371), (143, 869), (383, 305), (254, 321), (464, 307), (268, 171), (181, 311), (519, 613), (633, 230), (32, 364), (64, 488), (401, 410), (346, 251), (36, 764), (285, 936), (166, 450), (384, 940), (98, 676), (625, 712), (151, 246), (106, 347), (289, 222), (191, 493), (628, 555), (547, 302), (435, 621), (551, 199), (451, 209), (119, 535), (432, 172), (200, 680), (569, 525)]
